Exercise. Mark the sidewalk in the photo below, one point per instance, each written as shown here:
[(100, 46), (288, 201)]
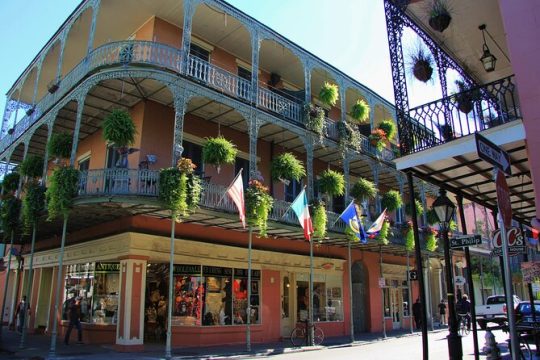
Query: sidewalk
[(37, 347)]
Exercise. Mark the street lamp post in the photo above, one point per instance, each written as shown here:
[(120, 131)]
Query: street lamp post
[(444, 208)]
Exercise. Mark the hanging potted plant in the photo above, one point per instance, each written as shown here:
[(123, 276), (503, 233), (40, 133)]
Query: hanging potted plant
[(409, 237), (258, 205), (331, 183), (377, 139), (63, 188), (432, 218), (417, 205), (119, 129), (219, 151), (391, 200), (314, 119), (446, 132), (431, 240), (10, 208), (33, 205), (382, 237), (10, 183), (422, 63), (59, 146), (349, 137), (439, 15), (287, 167), (329, 94), (389, 128), (319, 219), (32, 166), (466, 97), (360, 111), (363, 190), (180, 188)]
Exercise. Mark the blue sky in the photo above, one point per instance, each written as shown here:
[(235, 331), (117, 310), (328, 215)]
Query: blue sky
[(350, 35)]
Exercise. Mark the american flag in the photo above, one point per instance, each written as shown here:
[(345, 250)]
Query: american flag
[(236, 192)]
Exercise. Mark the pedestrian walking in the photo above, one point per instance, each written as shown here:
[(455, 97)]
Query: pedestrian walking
[(22, 311), (442, 312), (74, 317), (417, 313)]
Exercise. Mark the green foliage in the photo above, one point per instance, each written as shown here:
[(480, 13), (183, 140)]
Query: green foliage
[(360, 111), (418, 206), (409, 239), (218, 151), (32, 166), (329, 94), (391, 200), (350, 234), (287, 167), (314, 119), (452, 226), (349, 137), (431, 240), (63, 187), (382, 238), (33, 205), (59, 145), (319, 220), (119, 128), (10, 209), (180, 189), (389, 128), (377, 138), (11, 182), (258, 206), (363, 189), (331, 183), (432, 218)]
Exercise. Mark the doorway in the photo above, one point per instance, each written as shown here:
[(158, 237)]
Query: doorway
[(396, 304), (358, 274), (155, 304), (287, 305)]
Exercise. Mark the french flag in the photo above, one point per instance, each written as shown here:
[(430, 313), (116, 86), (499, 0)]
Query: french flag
[(301, 209)]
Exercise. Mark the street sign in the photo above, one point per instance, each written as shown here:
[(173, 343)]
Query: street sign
[(503, 199), (382, 282), (493, 154), (516, 242), (464, 240), (413, 275)]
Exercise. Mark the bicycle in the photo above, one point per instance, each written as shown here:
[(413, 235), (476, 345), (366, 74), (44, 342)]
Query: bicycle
[(300, 333), (463, 324), (525, 352)]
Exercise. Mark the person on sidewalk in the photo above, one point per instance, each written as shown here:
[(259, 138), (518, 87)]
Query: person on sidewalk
[(22, 311), (74, 317), (442, 312), (417, 313)]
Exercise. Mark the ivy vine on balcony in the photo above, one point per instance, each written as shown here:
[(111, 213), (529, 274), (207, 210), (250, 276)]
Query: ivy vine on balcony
[(258, 206), (63, 187), (314, 120), (319, 220), (180, 189)]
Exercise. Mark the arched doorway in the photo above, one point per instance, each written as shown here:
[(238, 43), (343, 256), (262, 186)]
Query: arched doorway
[(359, 297)]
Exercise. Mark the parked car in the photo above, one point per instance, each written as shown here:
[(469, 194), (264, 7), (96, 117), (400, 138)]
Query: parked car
[(523, 311), (494, 311)]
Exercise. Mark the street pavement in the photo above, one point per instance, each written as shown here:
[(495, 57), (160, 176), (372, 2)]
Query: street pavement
[(398, 344)]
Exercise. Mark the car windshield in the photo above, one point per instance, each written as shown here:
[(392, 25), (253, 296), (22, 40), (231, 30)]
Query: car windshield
[(525, 309)]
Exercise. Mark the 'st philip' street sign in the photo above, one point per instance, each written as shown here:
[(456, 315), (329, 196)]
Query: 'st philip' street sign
[(493, 154), (465, 240)]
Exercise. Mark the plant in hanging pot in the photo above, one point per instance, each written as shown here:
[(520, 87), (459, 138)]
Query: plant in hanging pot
[(360, 111), (33, 205), (466, 97), (409, 237), (63, 188), (391, 200), (378, 139), (431, 240), (11, 130), (59, 146), (363, 190), (314, 119), (286, 167), (10, 209), (10, 183), (180, 189), (119, 129), (219, 151), (32, 166), (439, 15), (389, 128), (258, 205), (331, 183), (417, 205), (319, 219), (432, 217), (421, 63), (382, 237), (446, 132), (329, 93), (349, 137)]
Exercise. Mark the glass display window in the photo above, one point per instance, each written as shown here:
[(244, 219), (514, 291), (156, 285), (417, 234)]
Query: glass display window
[(188, 295), (240, 290), (327, 298), (217, 296)]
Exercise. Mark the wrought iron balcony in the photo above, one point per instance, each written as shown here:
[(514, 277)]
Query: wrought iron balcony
[(119, 182), (275, 103), (459, 115)]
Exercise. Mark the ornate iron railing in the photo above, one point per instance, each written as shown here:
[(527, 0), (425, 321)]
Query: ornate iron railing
[(459, 115), (218, 78), (119, 182), (269, 100)]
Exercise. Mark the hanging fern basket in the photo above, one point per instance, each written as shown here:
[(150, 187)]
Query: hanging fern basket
[(329, 94), (32, 166), (391, 200), (219, 151), (10, 208), (59, 146), (180, 189), (363, 190), (119, 128), (286, 167), (258, 206), (422, 70), (10, 183), (360, 111), (331, 183)]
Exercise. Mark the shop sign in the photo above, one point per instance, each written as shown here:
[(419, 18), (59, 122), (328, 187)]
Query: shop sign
[(516, 244), (216, 271), (107, 267), (243, 273), (180, 269), (382, 282)]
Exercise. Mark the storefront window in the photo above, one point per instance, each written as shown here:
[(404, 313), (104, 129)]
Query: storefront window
[(327, 299), (240, 296), (188, 295), (405, 302), (387, 311), (97, 284)]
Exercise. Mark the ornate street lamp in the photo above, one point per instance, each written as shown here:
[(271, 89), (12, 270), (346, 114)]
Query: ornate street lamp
[(488, 59), (445, 209)]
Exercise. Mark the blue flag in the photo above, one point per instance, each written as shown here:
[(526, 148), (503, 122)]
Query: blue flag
[(351, 218)]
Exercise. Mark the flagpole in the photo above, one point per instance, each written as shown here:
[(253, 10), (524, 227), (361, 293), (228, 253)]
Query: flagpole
[(228, 187), (248, 310), (382, 292), (311, 327), (350, 289), (410, 295)]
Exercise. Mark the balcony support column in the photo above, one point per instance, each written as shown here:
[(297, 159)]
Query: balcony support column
[(375, 168), (11, 106), (95, 11), (342, 102), (307, 81), (424, 202), (80, 108), (63, 38), (308, 142), (189, 10), (180, 104), (36, 81), (372, 104), (347, 176), (254, 125), (400, 214), (50, 126), (255, 47)]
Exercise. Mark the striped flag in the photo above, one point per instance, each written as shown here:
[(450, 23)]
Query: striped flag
[(375, 228), (236, 192), (301, 209)]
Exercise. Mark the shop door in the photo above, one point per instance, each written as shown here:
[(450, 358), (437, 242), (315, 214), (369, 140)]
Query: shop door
[(359, 296), (396, 307), (287, 310)]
